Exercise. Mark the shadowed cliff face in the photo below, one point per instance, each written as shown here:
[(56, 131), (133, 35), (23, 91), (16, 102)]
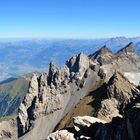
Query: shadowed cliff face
[(54, 94)]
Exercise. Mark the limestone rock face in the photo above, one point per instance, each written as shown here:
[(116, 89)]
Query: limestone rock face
[(120, 92), (128, 50), (85, 121), (125, 60), (51, 96), (103, 56), (26, 106), (78, 65), (61, 135), (113, 130), (54, 94)]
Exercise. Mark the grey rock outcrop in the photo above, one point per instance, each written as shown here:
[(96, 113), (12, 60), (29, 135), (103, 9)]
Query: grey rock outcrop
[(125, 60), (128, 50), (61, 135), (120, 92), (51, 96), (102, 56), (85, 121), (54, 94), (26, 106)]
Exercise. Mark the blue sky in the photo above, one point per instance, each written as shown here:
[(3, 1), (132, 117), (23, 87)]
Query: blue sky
[(69, 18)]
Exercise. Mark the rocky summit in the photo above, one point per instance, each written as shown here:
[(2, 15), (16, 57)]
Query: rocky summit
[(54, 98), (51, 96), (91, 97), (102, 56), (119, 93)]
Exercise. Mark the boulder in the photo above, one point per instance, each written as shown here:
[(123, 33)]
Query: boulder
[(61, 135)]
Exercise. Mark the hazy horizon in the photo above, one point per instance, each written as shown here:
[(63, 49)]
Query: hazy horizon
[(62, 38)]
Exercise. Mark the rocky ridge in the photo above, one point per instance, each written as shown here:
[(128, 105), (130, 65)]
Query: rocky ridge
[(120, 114), (106, 56), (120, 92), (54, 94), (126, 60), (102, 56)]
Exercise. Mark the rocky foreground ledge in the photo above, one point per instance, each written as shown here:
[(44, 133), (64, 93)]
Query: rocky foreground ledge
[(54, 95)]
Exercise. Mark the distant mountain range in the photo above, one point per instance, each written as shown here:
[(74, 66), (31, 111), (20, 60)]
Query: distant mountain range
[(18, 57)]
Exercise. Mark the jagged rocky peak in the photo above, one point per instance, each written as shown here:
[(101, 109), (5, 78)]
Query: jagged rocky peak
[(127, 50), (118, 96), (120, 88), (83, 64), (104, 51), (26, 105), (33, 85), (120, 92), (56, 76), (78, 64), (53, 68), (56, 93), (102, 56), (118, 79)]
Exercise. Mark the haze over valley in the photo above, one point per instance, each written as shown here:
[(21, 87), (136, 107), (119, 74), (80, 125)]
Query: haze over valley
[(20, 57)]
